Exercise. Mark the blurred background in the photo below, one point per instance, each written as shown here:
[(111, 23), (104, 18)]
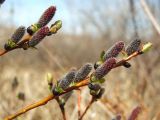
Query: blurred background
[(89, 26)]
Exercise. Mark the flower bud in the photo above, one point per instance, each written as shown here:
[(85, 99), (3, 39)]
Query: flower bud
[(146, 47), (55, 27), (49, 78), (21, 96), (126, 64), (96, 90)]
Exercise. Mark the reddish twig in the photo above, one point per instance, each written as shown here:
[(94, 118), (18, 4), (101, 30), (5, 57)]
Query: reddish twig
[(79, 102), (62, 109), (64, 114), (134, 115), (87, 108)]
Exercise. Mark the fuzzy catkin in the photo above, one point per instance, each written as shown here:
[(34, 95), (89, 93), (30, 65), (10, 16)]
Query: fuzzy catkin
[(114, 50), (46, 16), (38, 36), (133, 46), (102, 70), (67, 79), (83, 72), (1, 1), (18, 34)]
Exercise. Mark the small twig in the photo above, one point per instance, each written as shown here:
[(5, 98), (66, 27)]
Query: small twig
[(120, 63), (150, 16), (2, 52), (30, 107), (19, 45), (51, 97), (62, 108), (87, 108), (79, 102), (45, 100), (63, 113), (135, 112)]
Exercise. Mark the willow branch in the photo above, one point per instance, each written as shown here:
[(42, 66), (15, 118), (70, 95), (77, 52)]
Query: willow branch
[(51, 97), (45, 100), (150, 16)]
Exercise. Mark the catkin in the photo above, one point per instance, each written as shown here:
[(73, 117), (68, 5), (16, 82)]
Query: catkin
[(102, 70), (133, 46), (38, 36), (83, 72), (114, 50), (46, 16)]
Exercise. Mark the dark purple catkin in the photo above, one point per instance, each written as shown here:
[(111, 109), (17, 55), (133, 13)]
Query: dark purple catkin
[(38, 36), (83, 72), (67, 79), (1, 1), (118, 117), (114, 50), (96, 90), (133, 46), (46, 16), (102, 70), (18, 34), (94, 87)]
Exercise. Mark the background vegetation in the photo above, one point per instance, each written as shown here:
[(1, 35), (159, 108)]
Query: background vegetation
[(94, 30)]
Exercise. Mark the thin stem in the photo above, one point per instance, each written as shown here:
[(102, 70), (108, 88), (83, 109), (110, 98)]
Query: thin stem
[(150, 16), (19, 45), (63, 114), (30, 107), (50, 97), (2, 52), (45, 100), (79, 102), (120, 63), (87, 108), (62, 108)]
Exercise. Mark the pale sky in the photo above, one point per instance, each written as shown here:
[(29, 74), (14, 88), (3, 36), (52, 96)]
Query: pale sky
[(27, 12)]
